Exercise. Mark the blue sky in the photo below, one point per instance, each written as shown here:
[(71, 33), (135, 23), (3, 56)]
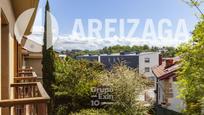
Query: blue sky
[(66, 11)]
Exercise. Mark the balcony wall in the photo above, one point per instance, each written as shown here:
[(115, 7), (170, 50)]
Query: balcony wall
[(30, 98), (7, 51), (9, 61)]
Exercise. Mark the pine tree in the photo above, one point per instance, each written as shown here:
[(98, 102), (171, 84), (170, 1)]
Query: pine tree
[(48, 61)]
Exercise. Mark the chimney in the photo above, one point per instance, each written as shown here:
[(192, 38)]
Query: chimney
[(169, 62), (160, 59)]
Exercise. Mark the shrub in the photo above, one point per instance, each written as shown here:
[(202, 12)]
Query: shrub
[(74, 79), (91, 112), (127, 85)]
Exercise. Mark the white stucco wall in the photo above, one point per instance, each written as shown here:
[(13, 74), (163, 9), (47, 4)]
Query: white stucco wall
[(176, 104), (154, 61), (160, 91)]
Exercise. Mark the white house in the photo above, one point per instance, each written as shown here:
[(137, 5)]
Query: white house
[(166, 87), (147, 60)]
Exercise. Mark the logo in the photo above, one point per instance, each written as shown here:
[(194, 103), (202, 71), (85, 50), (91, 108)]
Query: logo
[(34, 41)]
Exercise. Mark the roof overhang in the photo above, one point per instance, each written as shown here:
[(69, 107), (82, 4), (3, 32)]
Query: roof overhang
[(162, 73), (19, 6), (166, 76)]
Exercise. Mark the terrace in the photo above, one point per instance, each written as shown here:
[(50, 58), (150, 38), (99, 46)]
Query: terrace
[(29, 96)]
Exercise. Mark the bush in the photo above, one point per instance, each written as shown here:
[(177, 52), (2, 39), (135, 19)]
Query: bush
[(127, 85), (62, 110), (92, 112), (74, 79), (191, 72)]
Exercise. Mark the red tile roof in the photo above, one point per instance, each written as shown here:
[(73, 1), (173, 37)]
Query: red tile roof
[(162, 72)]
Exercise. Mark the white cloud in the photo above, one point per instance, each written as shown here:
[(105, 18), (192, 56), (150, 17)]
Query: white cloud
[(91, 43)]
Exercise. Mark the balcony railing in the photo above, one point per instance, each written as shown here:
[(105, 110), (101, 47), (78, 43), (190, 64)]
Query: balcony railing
[(30, 98), (28, 69), (26, 76)]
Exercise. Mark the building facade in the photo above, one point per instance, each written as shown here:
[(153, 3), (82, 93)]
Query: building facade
[(34, 60), (89, 57), (14, 78), (141, 61), (148, 60), (127, 59), (166, 87)]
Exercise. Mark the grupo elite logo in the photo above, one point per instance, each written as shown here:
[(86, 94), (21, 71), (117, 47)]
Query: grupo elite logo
[(34, 41)]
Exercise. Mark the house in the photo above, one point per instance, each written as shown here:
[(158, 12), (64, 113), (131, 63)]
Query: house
[(21, 93), (166, 87), (142, 61), (89, 57), (147, 60)]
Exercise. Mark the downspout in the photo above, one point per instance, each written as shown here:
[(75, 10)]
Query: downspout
[(156, 92)]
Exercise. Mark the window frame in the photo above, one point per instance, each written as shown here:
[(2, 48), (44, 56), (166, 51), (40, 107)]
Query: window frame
[(147, 60), (147, 68)]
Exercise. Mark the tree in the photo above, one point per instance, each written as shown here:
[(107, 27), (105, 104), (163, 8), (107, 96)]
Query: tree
[(127, 84), (191, 72), (74, 80), (168, 52), (48, 62), (195, 3), (91, 112), (73, 88)]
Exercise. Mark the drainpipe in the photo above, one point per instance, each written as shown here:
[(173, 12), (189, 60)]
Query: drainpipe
[(156, 92)]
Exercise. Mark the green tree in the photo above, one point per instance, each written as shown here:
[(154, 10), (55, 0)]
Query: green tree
[(74, 79), (191, 72), (91, 112), (168, 52), (127, 84), (48, 62)]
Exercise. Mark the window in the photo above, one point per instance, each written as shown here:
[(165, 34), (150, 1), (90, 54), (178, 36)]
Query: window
[(151, 78), (109, 60), (147, 60), (147, 69), (118, 59), (114, 60)]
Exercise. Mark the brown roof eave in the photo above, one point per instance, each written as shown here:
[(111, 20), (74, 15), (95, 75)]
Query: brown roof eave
[(19, 6), (167, 75)]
